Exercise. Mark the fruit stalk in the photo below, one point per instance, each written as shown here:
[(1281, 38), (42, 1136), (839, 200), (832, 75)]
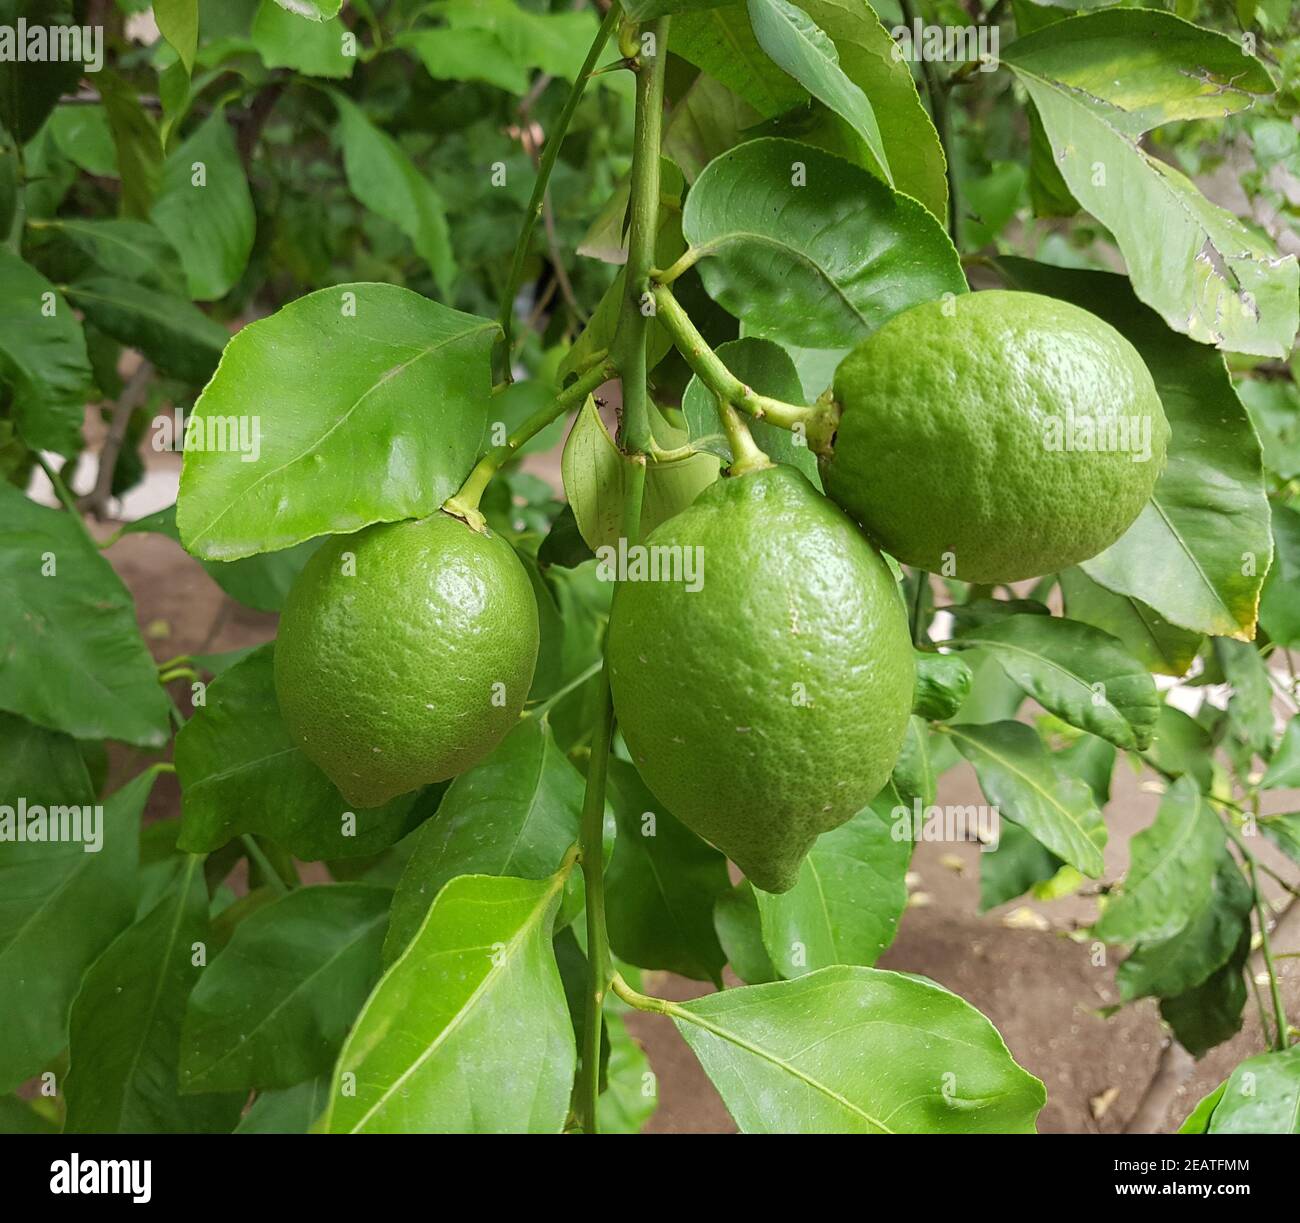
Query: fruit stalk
[(817, 422), (547, 163)]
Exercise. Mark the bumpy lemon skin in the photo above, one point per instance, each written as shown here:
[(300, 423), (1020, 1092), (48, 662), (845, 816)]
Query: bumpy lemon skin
[(769, 706), (409, 662), (942, 450)]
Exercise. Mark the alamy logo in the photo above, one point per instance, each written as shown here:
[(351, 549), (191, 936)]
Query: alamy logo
[(947, 44), (42, 825), (58, 44), (133, 1177), (240, 435), (1117, 434), (651, 563), (973, 822)]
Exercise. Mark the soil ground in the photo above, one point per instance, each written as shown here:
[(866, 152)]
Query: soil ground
[(1017, 964)]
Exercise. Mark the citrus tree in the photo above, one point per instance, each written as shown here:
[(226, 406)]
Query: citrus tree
[(853, 306)]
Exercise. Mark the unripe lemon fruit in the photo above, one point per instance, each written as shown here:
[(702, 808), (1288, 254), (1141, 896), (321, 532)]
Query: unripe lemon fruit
[(405, 654), (995, 436), (769, 705)]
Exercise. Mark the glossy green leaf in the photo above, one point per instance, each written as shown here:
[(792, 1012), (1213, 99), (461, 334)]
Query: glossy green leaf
[(857, 1050), (794, 41), (1078, 673), (273, 1008), (331, 378), (740, 931), (1099, 81), (314, 49), (850, 894), (172, 332), (661, 885), (205, 209), (1199, 550), (1172, 864), (1159, 646), (240, 772), (513, 814), (914, 770), (1261, 1096), (60, 905), (84, 668), (126, 1025), (468, 1032), (387, 182), (1018, 777), (807, 248), (1172, 966), (42, 358)]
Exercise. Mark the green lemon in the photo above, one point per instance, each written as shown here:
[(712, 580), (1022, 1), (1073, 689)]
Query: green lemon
[(995, 436), (769, 705), (405, 654)]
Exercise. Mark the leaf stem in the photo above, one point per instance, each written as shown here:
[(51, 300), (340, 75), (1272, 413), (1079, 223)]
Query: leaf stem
[(639, 1001), (818, 421), (464, 502), (545, 165)]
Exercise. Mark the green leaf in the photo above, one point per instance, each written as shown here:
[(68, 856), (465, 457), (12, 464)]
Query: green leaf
[(172, 332), (138, 145), (387, 182), (1080, 674), (206, 211), (1172, 864), (1274, 408), (21, 1117), (740, 931), (1250, 708), (1284, 769), (1158, 645), (440, 1046), (129, 250), (707, 120), (42, 358), (849, 897), (1284, 832), (766, 368), (1261, 1096), (1198, 1120), (83, 135), (661, 885), (1279, 605), (1181, 746), (126, 1025), (1199, 550), (868, 57), (857, 1050), (274, 1007), (630, 1099), (178, 23), (1101, 80), (795, 42), (647, 10), (292, 1110), (779, 230), (1172, 966), (1016, 864), (1210, 1013), (466, 55), (331, 378), (29, 90), (313, 10), (721, 41), (60, 905), (86, 671), (240, 772), (514, 814), (315, 49), (1018, 777), (596, 474)]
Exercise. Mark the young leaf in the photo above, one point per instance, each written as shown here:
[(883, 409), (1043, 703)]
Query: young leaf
[(795, 42), (206, 211), (1199, 550), (328, 383), (661, 885), (513, 814), (468, 1032), (857, 1050), (86, 670), (42, 358), (850, 895), (60, 906), (1078, 673), (781, 231), (273, 1008), (1261, 1096), (240, 772), (1018, 776), (1172, 865), (1099, 81), (126, 1026)]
